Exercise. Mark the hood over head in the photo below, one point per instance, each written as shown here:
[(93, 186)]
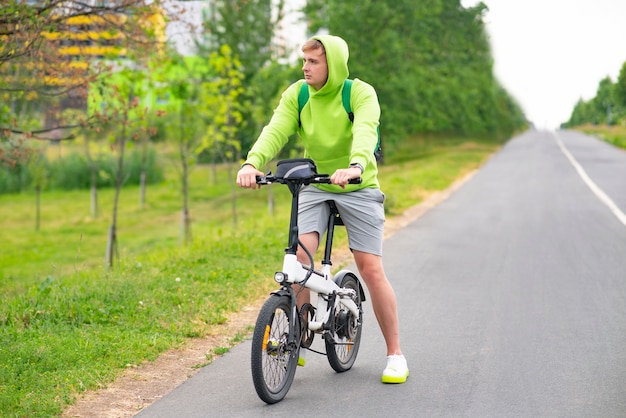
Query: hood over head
[(337, 55)]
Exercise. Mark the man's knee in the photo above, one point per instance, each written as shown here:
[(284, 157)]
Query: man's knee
[(310, 241), (368, 264)]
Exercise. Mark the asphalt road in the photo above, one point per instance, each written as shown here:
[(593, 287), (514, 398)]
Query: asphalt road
[(512, 302)]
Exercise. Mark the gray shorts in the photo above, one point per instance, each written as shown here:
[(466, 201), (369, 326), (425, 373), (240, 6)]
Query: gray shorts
[(362, 213)]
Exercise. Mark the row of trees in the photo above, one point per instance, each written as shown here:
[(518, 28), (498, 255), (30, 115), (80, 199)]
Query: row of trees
[(430, 63), (608, 106), (154, 93), (41, 75), (51, 53)]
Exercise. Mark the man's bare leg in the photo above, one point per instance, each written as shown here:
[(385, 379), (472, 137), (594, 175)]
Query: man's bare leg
[(310, 241), (383, 298)]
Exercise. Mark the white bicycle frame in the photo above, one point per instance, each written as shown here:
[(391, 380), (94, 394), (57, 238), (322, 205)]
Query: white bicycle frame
[(321, 284)]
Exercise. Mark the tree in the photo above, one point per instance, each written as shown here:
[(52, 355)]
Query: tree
[(51, 50), (224, 111), (265, 90), (605, 99), (122, 111), (605, 107), (249, 29), (39, 172), (620, 89), (180, 82), (429, 61)]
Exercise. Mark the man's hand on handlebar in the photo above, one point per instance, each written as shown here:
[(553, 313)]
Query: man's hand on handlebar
[(246, 177), (344, 175)]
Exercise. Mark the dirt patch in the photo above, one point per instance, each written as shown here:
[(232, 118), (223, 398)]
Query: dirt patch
[(139, 387)]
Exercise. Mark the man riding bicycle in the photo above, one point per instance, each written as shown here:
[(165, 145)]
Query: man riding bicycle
[(346, 149)]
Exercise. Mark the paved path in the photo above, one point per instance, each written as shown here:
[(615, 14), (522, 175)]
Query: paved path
[(512, 300)]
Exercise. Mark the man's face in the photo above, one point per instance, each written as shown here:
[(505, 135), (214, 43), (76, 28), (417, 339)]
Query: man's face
[(315, 68)]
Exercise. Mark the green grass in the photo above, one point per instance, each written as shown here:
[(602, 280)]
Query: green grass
[(68, 325), (615, 134)]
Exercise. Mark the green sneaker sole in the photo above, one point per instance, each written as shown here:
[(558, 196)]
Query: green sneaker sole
[(395, 379)]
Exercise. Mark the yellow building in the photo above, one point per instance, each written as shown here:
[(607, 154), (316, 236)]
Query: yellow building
[(84, 45), (86, 38)]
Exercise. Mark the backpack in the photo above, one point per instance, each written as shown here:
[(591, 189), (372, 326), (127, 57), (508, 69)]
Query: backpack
[(303, 97)]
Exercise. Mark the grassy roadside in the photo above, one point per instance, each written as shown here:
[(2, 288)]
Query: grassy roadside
[(615, 134), (66, 325)]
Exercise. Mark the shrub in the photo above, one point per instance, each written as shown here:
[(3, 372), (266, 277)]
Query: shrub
[(13, 180), (72, 172)]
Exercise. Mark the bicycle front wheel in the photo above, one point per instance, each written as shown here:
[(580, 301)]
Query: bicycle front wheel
[(274, 359), (343, 344)]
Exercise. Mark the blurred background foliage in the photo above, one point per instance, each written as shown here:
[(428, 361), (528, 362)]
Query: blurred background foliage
[(430, 63)]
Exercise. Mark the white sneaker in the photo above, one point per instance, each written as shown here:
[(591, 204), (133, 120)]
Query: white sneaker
[(397, 370)]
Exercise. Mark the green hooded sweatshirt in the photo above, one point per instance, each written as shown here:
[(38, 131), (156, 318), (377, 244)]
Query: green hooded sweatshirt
[(329, 138)]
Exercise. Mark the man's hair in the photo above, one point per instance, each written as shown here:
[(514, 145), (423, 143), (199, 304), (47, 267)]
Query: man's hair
[(313, 44)]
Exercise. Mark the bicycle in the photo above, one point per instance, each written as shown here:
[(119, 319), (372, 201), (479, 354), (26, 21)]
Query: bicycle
[(282, 329)]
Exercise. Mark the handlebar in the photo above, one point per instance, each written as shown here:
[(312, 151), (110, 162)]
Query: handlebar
[(317, 179)]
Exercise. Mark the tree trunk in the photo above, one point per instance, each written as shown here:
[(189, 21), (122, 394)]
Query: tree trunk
[(93, 171), (185, 227), (111, 245), (38, 207), (142, 189), (112, 241), (143, 176), (94, 199), (185, 233)]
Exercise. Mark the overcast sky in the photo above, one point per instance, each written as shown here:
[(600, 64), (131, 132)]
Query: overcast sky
[(550, 53)]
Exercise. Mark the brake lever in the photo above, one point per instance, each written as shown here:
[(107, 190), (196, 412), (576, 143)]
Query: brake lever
[(266, 179)]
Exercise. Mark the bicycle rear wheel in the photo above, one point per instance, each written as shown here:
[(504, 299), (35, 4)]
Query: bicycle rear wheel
[(342, 350), (274, 359)]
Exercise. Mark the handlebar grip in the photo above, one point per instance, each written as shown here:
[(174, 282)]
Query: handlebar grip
[(325, 178)]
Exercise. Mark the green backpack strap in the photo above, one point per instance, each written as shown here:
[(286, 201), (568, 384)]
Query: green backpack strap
[(345, 98), (303, 97)]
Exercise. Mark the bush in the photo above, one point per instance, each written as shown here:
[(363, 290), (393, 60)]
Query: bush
[(13, 180), (132, 167), (72, 172)]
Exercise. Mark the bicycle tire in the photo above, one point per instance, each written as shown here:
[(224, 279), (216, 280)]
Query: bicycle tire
[(342, 350), (273, 359)]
